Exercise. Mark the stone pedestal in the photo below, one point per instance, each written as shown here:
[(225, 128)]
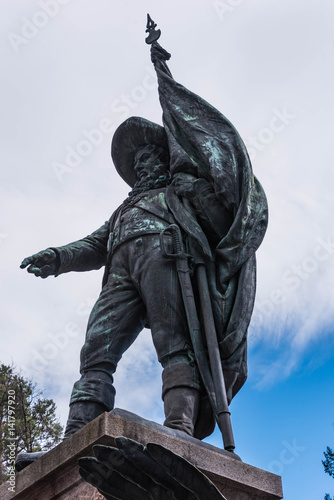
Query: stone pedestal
[(55, 476)]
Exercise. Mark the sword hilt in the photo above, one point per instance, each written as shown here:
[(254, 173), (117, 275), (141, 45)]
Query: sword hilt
[(177, 243)]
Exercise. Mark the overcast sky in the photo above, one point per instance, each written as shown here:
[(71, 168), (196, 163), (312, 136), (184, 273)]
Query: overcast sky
[(71, 73)]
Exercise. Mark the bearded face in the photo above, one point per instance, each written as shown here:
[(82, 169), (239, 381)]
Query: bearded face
[(151, 165)]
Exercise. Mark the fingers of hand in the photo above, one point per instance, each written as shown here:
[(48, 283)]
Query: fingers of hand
[(40, 264), (48, 255), (33, 269), (41, 272), (27, 261)]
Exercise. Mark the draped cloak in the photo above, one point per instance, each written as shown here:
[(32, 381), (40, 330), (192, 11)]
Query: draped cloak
[(202, 142)]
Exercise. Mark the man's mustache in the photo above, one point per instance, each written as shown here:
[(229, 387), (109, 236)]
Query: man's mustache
[(151, 175)]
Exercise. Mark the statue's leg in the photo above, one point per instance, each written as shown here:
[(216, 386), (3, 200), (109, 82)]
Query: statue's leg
[(82, 412), (115, 322), (160, 289), (181, 406)]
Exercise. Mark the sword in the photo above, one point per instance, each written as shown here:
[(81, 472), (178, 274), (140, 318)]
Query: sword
[(224, 414), (212, 376)]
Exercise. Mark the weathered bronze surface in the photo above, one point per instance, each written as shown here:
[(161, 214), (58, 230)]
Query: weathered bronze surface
[(133, 471), (193, 172)]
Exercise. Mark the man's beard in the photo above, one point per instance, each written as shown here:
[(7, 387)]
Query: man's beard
[(158, 178)]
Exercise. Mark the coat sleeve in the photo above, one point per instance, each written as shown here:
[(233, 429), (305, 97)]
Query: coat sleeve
[(86, 254)]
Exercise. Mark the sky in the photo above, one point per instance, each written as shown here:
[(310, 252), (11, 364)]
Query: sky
[(71, 73)]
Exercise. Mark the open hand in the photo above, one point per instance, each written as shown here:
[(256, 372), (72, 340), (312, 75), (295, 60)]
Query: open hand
[(42, 264)]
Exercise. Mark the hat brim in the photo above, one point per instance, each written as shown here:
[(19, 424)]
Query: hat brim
[(133, 134)]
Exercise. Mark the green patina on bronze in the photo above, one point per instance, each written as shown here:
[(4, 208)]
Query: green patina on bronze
[(194, 173)]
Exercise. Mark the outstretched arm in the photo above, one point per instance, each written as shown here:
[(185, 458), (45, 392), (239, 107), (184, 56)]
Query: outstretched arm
[(82, 255)]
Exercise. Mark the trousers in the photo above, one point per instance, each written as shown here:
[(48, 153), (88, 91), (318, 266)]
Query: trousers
[(142, 288)]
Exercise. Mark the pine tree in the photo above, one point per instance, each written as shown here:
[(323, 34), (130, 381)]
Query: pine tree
[(27, 420), (328, 464)]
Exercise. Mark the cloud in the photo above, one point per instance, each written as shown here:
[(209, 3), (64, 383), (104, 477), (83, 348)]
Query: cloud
[(259, 59)]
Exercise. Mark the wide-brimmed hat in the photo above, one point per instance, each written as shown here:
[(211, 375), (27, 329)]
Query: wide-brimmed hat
[(133, 134)]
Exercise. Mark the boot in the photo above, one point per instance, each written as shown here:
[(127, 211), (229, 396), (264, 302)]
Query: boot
[(81, 413), (24, 459), (181, 405)]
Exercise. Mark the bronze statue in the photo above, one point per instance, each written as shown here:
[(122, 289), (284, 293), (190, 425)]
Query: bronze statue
[(179, 257)]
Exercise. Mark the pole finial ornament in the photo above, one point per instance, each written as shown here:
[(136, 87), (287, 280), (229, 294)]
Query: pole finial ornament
[(154, 34)]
